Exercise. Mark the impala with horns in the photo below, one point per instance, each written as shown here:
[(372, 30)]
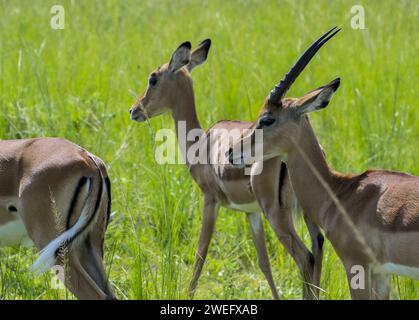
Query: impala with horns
[(56, 195), (170, 89), (371, 219)]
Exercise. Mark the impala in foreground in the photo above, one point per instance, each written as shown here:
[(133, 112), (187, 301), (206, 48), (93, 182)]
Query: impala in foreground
[(371, 219), (56, 195)]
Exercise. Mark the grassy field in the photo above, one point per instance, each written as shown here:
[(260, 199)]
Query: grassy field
[(80, 82)]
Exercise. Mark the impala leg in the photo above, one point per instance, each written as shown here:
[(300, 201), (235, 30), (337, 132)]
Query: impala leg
[(259, 240), (78, 279), (284, 229), (381, 286), (207, 229), (91, 260), (84, 274), (317, 241), (275, 198)]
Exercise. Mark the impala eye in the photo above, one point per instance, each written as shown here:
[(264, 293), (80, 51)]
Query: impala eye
[(152, 81), (265, 122)]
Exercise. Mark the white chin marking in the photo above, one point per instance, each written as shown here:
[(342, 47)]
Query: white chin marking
[(14, 234)]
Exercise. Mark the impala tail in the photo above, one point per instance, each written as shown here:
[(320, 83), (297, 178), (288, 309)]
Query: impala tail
[(69, 240)]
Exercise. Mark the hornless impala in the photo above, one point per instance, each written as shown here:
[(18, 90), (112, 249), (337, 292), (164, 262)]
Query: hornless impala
[(56, 195), (371, 219), (170, 88)]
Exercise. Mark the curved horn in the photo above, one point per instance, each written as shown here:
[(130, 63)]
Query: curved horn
[(282, 87)]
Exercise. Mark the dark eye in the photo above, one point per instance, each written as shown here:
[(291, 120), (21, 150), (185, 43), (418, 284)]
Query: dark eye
[(265, 122), (152, 81)]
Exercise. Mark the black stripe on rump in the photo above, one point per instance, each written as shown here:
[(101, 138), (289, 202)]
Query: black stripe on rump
[(74, 201), (99, 198), (109, 191), (97, 204)]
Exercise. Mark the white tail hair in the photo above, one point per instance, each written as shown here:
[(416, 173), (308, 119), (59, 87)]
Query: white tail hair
[(47, 256)]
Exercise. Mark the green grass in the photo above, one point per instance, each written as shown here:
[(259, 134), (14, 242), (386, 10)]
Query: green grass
[(78, 83)]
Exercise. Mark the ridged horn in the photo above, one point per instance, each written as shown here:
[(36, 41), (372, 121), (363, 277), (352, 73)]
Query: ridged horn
[(279, 91)]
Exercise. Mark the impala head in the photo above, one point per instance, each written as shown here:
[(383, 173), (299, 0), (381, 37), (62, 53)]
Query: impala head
[(168, 81), (280, 117)]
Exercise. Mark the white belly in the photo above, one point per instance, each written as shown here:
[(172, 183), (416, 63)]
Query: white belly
[(251, 207), (14, 234)]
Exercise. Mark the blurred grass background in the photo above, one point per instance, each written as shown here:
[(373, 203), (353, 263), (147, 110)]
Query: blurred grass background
[(80, 82)]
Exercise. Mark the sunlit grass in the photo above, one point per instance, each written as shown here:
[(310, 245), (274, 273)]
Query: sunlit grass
[(78, 83)]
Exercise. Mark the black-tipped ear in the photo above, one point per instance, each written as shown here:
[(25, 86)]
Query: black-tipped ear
[(186, 44), (333, 84), (200, 54), (181, 57), (317, 99)]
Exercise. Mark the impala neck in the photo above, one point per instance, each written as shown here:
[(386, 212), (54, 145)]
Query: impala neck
[(310, 192), (184, 114)]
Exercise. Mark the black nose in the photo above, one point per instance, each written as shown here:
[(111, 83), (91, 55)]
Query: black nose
[(130, 111)]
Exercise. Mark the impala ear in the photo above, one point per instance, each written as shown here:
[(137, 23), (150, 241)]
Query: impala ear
[(316, 99), (180, 57), (200, 54)]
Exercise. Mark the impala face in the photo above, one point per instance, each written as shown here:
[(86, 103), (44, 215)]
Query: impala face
[(273, 121), (167, 81), (280, 116), (281, 124), (155, 100)]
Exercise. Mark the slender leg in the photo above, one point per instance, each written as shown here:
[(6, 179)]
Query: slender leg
[(91, 260), (207, 229), (286, 234), (84, 273), (317, 241), (80, 282), (381, 286), (259, 240), (274, 194)]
